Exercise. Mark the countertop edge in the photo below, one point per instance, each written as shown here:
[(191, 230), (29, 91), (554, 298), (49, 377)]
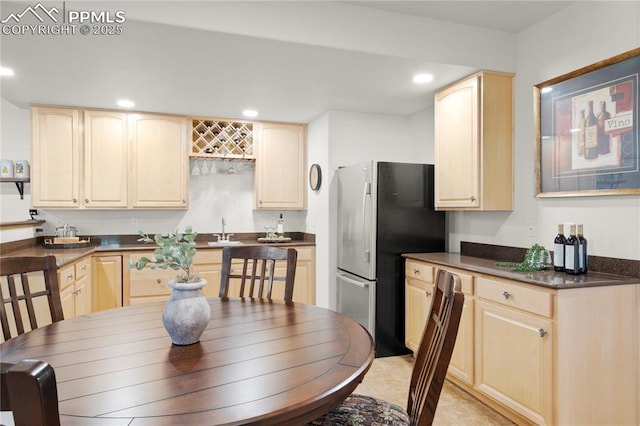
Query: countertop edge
[(66, 256), (547, 278)]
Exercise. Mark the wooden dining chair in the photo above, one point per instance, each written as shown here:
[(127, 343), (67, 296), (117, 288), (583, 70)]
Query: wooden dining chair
[(429, 370), (28, 389), (257, 270), (25, 280)]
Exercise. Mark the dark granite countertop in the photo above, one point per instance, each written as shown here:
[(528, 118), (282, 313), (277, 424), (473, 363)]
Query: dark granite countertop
[(546, 278), (106, 244)]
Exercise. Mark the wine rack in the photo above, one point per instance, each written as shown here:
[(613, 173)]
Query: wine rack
[(216, 138)]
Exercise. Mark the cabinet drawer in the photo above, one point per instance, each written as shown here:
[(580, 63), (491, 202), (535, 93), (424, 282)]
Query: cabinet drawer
[(83, 267), (466, 280), (419, 271), (208, 256), (151, 282), (517, 296), (66, 276)]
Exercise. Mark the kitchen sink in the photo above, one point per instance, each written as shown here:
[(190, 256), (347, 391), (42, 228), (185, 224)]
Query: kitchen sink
[(224, 243)]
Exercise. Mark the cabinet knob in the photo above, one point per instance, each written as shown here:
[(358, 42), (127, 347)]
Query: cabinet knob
[(70, 277), (75, 200), (416, 271), (184, 201), (473, 198), (159, 281), (506, 295), (542, 332), (427, 293), (260, 201), (86, 201)]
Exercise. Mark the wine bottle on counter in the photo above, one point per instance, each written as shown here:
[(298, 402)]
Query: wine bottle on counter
[(583, 256), (558, 249), (571, 251), (280, 227), (591, 134)]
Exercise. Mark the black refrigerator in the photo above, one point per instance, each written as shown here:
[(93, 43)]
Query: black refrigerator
[(384, 209)]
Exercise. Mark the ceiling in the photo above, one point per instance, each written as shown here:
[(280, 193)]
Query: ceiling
[(175, 57)]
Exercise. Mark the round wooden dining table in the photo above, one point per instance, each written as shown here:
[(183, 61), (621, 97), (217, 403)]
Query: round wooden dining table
[(258, 361)]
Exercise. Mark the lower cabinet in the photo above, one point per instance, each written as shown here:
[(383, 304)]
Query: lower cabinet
[(150, 285), (540, 355), (75, 282), (107, 282)]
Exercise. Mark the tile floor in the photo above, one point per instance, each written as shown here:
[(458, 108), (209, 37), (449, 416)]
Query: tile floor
[(388, 379)]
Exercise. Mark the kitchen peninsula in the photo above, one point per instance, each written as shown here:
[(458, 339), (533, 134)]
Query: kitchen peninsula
[(540, 347), (97, 277)]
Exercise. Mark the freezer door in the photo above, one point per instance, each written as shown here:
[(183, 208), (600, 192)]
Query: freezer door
[(357, 299), (356, 218)]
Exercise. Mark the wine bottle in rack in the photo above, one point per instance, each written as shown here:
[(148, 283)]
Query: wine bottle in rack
[(583, 255), (591, 134), (558, 249), (571, 251)]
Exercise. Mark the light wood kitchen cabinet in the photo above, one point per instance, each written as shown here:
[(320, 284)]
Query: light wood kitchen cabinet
[(107, 279), (514, 336), (55, 157), (108, 159), (159, 161), (419, 287), (105, 159), (75, 283), (280, 176), (540, 355), (474, 143), (151, 285)]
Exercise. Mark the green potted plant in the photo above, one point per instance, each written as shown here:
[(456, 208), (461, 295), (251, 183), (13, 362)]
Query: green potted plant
[(187, 313)]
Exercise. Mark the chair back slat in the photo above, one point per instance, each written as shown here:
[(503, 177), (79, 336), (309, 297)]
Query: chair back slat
[(436, 347), (22, 275), (258, 272)]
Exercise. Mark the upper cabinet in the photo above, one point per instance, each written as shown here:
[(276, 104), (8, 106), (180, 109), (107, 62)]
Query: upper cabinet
[(105, 154), (55, 157), (280, 166), (113, 161), (159, 162), (474, 143)]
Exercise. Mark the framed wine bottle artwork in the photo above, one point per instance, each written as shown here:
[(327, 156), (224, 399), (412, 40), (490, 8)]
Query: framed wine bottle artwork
[(587, 125)]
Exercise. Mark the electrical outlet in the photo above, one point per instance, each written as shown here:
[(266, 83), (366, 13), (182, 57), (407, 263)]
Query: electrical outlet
[(134, 222), (531, 229)]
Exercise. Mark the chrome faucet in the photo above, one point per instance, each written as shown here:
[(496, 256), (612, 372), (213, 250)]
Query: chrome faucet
[(224, 237)]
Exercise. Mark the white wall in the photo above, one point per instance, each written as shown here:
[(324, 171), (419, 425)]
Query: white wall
[(577, 36)]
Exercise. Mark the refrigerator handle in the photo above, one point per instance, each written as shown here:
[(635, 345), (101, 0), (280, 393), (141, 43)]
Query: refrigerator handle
[(366, 244)]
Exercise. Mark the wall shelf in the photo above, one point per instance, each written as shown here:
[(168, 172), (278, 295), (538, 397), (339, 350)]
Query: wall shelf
[(19, 184), (21, 224)]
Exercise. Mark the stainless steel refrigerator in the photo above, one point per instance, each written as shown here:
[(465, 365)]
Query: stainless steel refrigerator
[(384, 209)]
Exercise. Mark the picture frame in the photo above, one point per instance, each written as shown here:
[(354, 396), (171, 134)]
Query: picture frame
[(587, 130)]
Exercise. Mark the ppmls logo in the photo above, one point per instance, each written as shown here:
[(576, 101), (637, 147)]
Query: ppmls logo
[(38, 11), (40, 20)]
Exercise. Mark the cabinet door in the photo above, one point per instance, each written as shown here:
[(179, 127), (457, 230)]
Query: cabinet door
[(457, 142), (514, 360), (67, 297), (83, 299), (105, 159), (55, 157), (280, 166), (159, 161), (418, 299), (107, 282)]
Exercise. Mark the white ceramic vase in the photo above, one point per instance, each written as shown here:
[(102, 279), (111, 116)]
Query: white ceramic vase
[(187, 313)]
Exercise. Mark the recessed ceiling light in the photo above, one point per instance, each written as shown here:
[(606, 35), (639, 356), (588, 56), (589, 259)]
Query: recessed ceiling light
[(6, 72), (250, 113), (422, 78), (125, 103)]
